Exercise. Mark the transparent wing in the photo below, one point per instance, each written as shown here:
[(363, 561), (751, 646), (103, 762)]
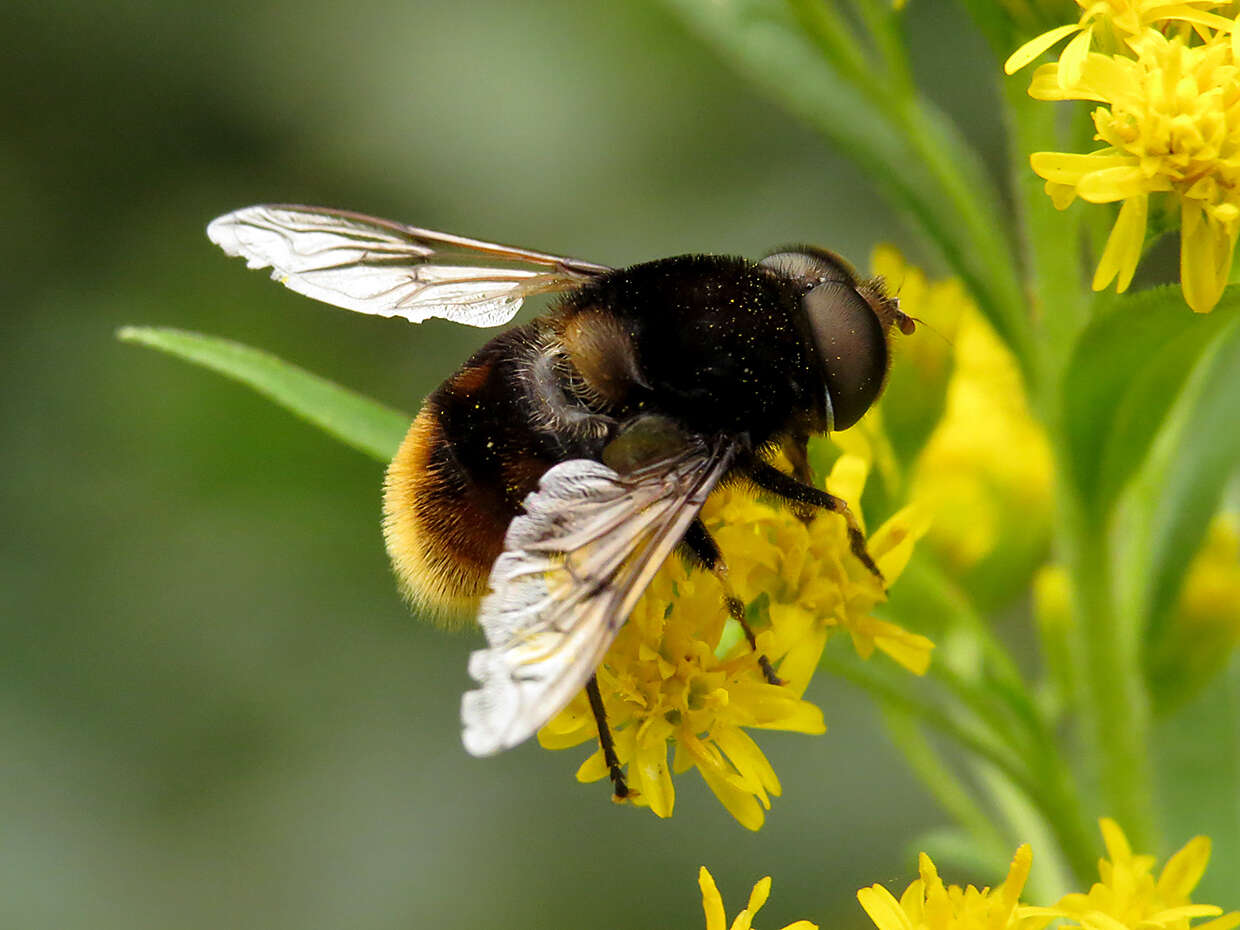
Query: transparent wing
[(384, 268), (574, 566)]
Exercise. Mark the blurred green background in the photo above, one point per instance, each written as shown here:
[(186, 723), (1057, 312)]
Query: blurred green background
[(215, 711)]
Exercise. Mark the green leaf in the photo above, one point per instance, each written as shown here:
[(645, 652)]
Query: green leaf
[(1177, 494), (1127, 372), (354, 419), (802, 54)]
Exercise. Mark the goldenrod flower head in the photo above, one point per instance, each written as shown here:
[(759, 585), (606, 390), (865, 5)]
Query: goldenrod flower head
[(1112, 25), (716, 919), (1171, 121), (1129, 896), (663, 683), (928, 904), (672, 677)]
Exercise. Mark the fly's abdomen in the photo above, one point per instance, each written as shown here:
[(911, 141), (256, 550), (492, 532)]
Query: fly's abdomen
[(469, 459)]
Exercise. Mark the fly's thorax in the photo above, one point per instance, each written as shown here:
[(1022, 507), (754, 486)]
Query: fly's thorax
[(709, 341)]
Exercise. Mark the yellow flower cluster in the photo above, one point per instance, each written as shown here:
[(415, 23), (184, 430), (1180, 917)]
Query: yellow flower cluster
[(679, 676), (928, 904), (1166, 75), (1127, 896)]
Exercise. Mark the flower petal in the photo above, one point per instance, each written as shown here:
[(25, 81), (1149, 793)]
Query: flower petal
[(757, 897), (740, 804), (892, 543), (847, 480), (748, 759), (1123, 248), (1113, 838), (1111, 184), (712, 901), (1226, 922), (1072, 60), (1070, 167), (883, 909), (1184, 870), (1035, 47), (1201, 277), (654, 781), (593, 769), (1018, 874)]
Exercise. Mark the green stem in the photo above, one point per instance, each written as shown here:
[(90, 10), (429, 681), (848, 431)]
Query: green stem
[(882, 20), (1041, 775), (1051, 241), (1050, 878), (1106, 660), (981, 701), (1116, 702), (1075, 833), (996, 686), (989, 273), (834, 40), (978, 743), (1058, 796), (940, 598), (949, 789)]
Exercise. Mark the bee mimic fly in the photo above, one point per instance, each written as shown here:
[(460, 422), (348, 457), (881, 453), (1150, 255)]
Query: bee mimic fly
[(542, 484)]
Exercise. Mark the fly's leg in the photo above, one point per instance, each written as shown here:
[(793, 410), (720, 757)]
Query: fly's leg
[(771, 479), (706, 552), (796, 450), (620, 787)]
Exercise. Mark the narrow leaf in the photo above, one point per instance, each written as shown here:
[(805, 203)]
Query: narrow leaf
[(1127, 372), (354, 419), (1178, 493)]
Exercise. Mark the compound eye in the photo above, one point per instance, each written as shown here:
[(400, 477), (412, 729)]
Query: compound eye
[(853, 348), (811, 266)]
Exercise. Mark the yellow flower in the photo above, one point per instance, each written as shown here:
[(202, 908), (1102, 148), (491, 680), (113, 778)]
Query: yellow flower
[(1171, 124), (1115, 25), (673, 677), (662, 683), (712, 904), (1129, 896), (928, 904)]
